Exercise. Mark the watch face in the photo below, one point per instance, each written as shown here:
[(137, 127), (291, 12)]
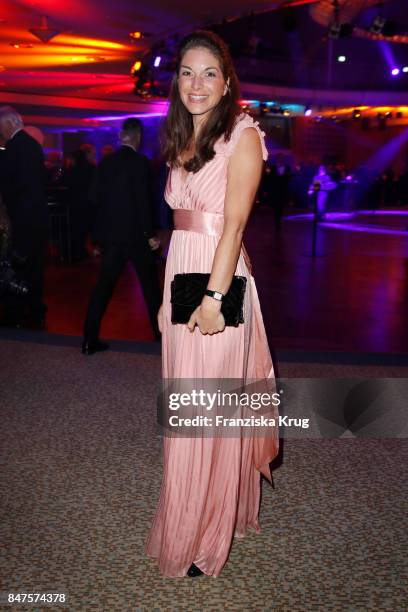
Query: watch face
[(214, 294)]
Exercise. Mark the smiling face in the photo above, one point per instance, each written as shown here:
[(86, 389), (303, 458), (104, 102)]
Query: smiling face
[(201, 82)]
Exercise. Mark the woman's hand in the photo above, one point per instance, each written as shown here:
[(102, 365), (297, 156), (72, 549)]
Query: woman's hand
[(208, 317), (160, 319)]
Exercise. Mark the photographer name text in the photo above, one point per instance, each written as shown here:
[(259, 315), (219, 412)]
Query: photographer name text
[(252, 421)]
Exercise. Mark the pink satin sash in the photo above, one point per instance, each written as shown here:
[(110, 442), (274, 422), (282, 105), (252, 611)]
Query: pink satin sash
[(203, 222), (198, 221)]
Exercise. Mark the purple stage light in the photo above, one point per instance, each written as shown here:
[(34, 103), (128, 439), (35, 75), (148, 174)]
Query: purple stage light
[(157, 61), (382, 158), (329, 215), (382, 212), (395, 72), (123, 117), (352, 227), (355, 226), (388, 54), (308, 111), (345, 215)]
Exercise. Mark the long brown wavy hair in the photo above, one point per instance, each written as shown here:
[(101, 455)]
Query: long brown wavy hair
[(178, 128)]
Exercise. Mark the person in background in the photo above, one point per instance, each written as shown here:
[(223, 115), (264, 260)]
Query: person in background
[(5, 232), (55, 171), (279, 188), (124, 230), (79, 180), (22, 185), (89, 151), (264, 191), (107, 150), (389, 187), (297, 190), (321, 185)]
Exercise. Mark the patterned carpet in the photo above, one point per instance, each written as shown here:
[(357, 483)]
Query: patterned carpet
[(81, 457)]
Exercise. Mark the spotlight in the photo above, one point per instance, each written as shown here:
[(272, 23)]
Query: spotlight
[(340, 30), (382, 26), (286, 112), (334, 31), (136, 67), (157, 61), (135, 35), (21, 45), (405, 69), (145, 85), (388, 115), (308, 111), (341, 59), (395, 72), (378, 25), (356, 114)]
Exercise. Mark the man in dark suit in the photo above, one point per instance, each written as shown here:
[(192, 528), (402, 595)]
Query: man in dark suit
[(124, 230), (22, 184)]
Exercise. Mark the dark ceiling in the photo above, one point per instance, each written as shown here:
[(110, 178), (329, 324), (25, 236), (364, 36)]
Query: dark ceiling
[(282, 45)]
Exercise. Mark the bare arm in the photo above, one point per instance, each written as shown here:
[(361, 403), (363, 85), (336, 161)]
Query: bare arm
[(244, 173)]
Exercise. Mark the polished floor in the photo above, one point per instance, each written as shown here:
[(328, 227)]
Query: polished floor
[(352, 296)]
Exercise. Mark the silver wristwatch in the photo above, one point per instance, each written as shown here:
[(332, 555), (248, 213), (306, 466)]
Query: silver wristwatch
[(217, 295)]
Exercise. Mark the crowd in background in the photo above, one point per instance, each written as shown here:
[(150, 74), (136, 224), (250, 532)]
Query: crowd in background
[(372, 189), (286, 186), (110, 201)]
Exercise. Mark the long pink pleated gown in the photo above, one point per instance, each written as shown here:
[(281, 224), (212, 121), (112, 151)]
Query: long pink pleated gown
[(210, 491)]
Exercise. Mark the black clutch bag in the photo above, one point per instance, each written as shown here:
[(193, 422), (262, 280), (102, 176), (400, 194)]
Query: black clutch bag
[(187, 291)]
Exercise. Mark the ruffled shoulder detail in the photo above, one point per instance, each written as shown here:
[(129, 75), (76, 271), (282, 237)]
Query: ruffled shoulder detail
[(243, 121)]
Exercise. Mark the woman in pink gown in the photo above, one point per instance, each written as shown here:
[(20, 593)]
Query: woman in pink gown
[(211, 485)]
